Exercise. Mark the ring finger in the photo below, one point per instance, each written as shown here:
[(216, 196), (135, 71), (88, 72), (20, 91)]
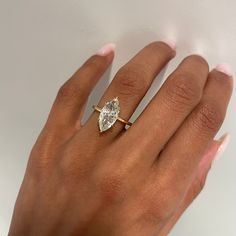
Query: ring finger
[(131, 84)]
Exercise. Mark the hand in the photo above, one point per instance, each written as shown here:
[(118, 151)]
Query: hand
[(134, 181)]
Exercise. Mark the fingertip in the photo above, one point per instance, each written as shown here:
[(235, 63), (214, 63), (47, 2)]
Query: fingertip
[(106, 49), (171, 43), (215, 150), (223, 143), (224, 68)]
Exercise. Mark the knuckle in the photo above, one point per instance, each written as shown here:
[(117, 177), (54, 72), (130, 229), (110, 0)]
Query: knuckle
[(95, 64), (67, 92), (39, 168), (132, 80), (209, 117), (112, 187), (183, 91), (156, 210), (159, 205), (154, 213), (198, 186)]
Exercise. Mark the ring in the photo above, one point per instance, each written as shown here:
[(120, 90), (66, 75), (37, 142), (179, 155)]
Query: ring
[(109, 114)]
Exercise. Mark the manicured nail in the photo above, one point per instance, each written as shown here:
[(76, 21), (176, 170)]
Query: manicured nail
[(224, 141), (170, 43), (106, 49), (224, 68)]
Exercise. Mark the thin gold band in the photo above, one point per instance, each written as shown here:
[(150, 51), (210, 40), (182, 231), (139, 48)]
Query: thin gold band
[(119, 118)]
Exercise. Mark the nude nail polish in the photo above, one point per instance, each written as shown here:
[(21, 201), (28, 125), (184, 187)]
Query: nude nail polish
[(170, 43), (106, 49), (224, 68), (224, 140)]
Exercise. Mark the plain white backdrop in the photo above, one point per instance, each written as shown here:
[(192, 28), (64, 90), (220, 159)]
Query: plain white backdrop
[(42, 42)]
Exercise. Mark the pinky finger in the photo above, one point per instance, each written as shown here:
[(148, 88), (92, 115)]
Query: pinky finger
[(215, 149)]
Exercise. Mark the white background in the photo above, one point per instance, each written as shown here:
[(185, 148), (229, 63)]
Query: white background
[(42, 42)]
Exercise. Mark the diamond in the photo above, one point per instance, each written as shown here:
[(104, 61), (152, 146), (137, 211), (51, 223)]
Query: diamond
[(109, 114)]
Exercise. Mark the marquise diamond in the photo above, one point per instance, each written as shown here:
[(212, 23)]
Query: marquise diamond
[(109, 114)]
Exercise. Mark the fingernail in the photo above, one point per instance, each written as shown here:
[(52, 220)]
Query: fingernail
[(224, 68), (170, 43), (224, 141), (106, 49)]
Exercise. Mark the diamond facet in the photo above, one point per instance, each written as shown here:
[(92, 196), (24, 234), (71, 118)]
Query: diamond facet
[(109, 114)]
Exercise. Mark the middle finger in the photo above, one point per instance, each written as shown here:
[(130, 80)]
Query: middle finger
[(180, 93)]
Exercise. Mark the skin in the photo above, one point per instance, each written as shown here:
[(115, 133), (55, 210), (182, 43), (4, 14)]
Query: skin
[(135, 181)]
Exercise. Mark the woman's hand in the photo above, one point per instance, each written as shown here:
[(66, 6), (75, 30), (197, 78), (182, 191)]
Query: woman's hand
[(134, 181)]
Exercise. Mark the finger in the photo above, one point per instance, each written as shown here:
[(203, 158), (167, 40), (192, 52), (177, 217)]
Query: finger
[(71, 99), (183, 152), (169, 107), (130, 85), (198, 183)]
